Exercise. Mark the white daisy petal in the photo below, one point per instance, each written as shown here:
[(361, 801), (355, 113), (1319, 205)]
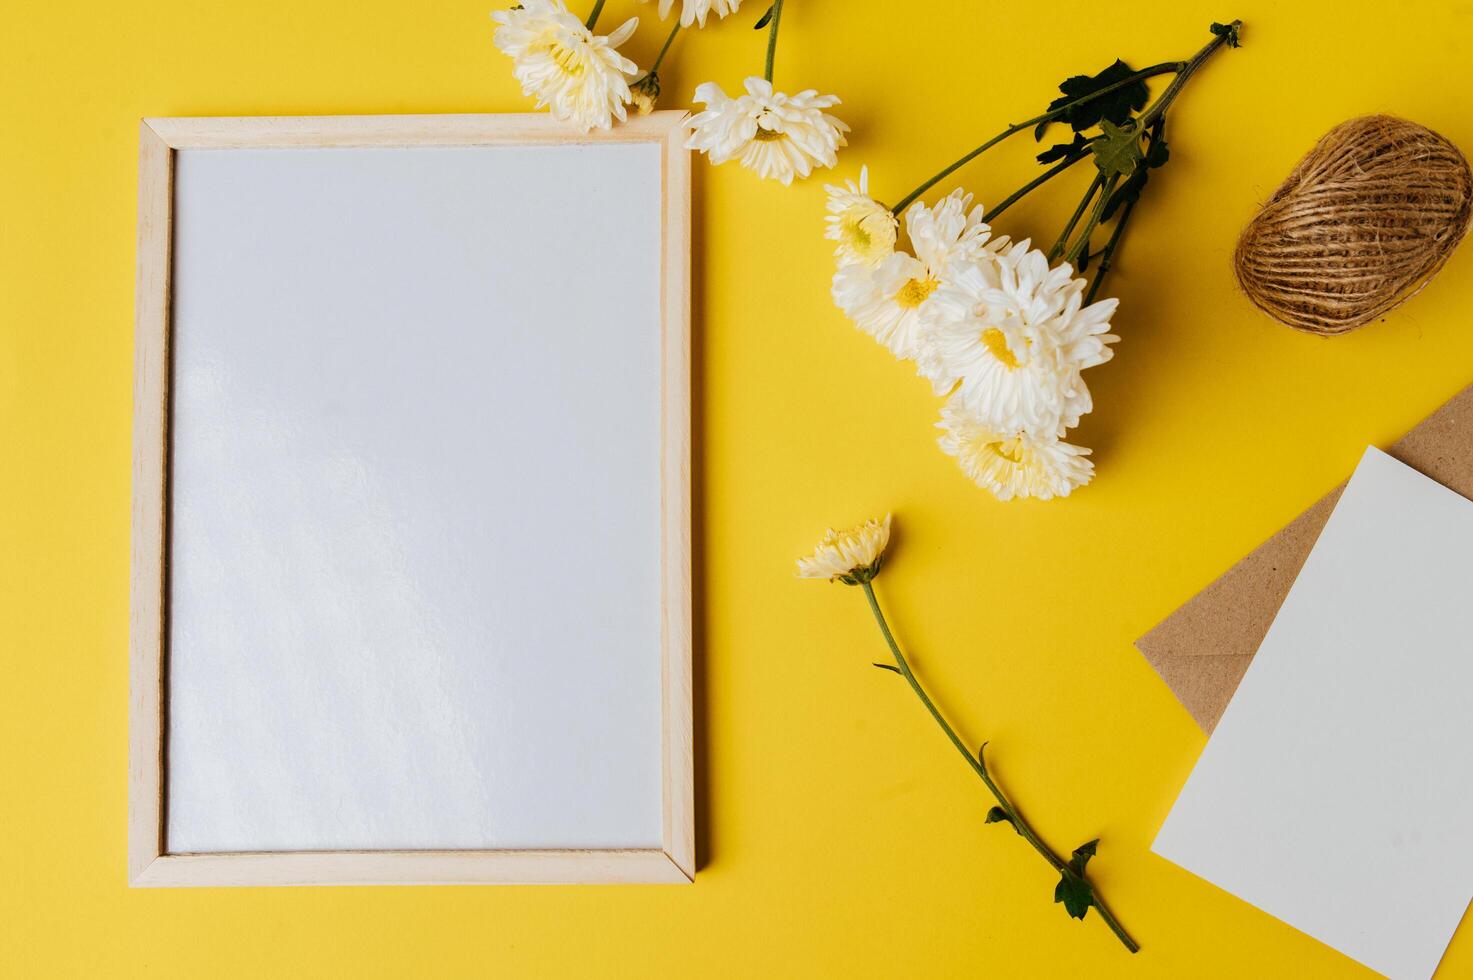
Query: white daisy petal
[(696, 11), (1012, 465), (623, 32), (777, 136), (885, 300), (1010, 334), (576, 74), (890, 297), (850, 556), (863, 227)]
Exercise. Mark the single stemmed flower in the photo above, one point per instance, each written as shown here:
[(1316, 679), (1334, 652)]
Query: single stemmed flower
[(776, 135), (646, 91), (855, 557), (578, 75)]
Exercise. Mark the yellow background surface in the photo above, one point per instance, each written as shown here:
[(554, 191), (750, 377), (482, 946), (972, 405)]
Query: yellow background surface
[(839, 834)]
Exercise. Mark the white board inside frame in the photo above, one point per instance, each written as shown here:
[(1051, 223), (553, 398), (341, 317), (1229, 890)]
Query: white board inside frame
[(423, 596)]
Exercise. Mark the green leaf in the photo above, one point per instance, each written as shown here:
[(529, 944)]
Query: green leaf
[(1230, 31), (1118, 151), (891, 667), (998, 815), (1065, 151), (1075, 893), (1157, 152), (763, 22), (1129, 190), (1082, 854), (1116, 106)]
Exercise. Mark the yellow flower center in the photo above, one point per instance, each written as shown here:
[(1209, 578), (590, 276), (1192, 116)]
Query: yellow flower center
[(855, 235), (997, 345), (1010, 450), (766, 135), (569, 59), (915, 291)]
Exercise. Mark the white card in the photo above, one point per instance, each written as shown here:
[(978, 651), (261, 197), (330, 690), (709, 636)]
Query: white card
[(1337, 791)]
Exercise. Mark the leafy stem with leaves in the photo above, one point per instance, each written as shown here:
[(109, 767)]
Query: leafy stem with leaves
[(1222, 34), (1127, 148), (1042, 178), (1076, 256), (1107, 255), (1089, 194), (1074, 890), (1129, 144), (1055, 112)]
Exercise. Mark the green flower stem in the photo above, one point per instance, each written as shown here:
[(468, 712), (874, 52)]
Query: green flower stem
[(598, 8), (777, 16), (668, 41), (1081, 244), (1042, 178), (1016, 818), (1107, 256), (1157, 110), (1089, 194), (1154, 112), (1154, 70)]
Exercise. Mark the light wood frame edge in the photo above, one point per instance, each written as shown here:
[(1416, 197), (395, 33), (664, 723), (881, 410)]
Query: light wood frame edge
[(148, 862)]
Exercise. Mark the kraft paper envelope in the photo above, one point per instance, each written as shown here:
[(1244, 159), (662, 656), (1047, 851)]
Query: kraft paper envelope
[(1337, 791), (1202, 650)]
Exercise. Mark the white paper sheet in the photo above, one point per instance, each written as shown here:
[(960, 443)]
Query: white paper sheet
[(415, 567), (1337, 792)]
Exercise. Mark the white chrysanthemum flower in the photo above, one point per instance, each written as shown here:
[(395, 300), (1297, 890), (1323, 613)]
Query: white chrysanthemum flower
[(852, 557), (779, 136), (695, 11), (889, 300), (863, 227), (1016, 465), (1016, 335), (577, 74)]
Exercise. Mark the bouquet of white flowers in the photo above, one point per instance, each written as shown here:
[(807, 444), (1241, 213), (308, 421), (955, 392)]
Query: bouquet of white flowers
[(584, 81), (1004, 330)]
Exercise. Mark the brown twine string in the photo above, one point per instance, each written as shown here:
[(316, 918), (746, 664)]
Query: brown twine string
[(1360, 226)]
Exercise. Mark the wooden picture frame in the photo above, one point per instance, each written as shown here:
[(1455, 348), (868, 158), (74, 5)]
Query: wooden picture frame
[(150, 861)]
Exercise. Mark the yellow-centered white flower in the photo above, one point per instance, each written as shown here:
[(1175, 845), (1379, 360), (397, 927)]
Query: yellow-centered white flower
[(1015, 464), (696, 11), (852, 556), (889, 299), (576, 74), (1011, 336), (776, 135), (863, 227)]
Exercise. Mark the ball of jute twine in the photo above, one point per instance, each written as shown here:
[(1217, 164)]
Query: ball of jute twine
[(1363, 222)]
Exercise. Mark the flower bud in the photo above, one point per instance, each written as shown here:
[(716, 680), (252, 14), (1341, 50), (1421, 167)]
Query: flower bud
[(645, 92)]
